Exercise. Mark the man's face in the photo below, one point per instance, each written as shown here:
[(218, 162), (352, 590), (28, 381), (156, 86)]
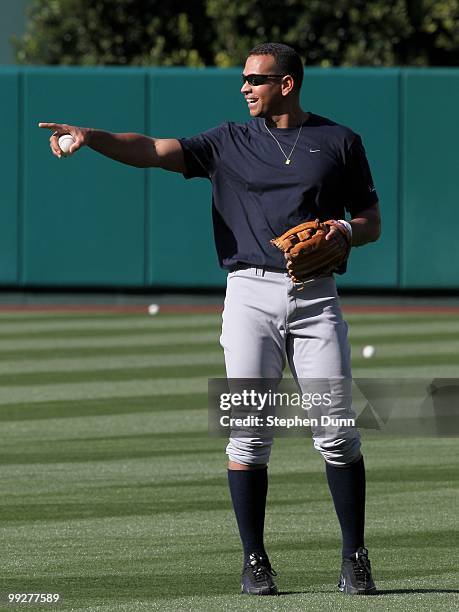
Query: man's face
[(266, 98)]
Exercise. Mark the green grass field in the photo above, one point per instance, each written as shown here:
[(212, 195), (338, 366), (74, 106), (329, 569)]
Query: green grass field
[(114, 496)]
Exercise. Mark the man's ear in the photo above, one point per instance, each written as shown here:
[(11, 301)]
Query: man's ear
[(287, 84)]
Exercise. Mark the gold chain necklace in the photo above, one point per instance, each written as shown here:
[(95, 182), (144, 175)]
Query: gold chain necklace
[(287, 157)]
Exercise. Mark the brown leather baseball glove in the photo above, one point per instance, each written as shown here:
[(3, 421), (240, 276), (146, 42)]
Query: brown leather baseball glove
[(307, 252)]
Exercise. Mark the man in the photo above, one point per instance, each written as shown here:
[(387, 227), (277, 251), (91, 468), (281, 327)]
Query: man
[(281, 168)]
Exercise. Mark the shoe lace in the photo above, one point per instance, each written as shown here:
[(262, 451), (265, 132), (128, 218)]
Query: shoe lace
[(260, 569), (362, 569)]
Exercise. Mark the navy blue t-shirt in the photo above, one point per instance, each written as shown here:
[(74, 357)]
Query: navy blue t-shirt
[(256, 196)]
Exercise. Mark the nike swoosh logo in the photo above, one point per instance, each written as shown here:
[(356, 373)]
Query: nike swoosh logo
[(314, 150)]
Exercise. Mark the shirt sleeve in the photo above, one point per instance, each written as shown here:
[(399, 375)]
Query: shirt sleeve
[(360, 189), (202, 152)]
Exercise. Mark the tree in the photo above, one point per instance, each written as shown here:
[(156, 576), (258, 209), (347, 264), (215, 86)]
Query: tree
[(116, 32), (434, 39), (219, 33), (342, 32)]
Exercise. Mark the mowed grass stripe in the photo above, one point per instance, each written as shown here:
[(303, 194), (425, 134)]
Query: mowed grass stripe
[(188, 370), (11, 316), (409, 349), (95, 341), (416, 477), (211, 367), (105, 435), (361, 370), (62, 321), (71, 324), (405, 327), (413, 359), (399, 312), (100, 390), (111, 340), (120, 324), (103, 351), (357, 338), (123, 326), (109, 362), (154, 494), (128, 405), (82, 334), (378, 318), (102, 315), (69, 333)]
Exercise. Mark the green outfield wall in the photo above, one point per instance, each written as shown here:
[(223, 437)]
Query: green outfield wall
[(89, 221)]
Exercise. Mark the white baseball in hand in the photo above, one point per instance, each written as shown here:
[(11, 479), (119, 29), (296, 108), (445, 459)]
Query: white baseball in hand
[(65, 142), (368, 351)]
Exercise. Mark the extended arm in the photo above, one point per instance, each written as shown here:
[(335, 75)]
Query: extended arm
[(129, 148)]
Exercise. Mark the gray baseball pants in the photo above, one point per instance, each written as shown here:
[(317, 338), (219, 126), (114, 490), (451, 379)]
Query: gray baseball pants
[(268, 320)]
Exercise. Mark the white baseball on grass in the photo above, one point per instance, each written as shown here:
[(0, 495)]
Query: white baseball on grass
[(153, 309), (65, 142), (368, 351)]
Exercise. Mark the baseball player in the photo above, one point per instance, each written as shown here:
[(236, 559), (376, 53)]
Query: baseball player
[(283, 167)]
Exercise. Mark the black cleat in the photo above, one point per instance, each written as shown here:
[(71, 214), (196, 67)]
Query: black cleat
[(356, 576), (257, 577)]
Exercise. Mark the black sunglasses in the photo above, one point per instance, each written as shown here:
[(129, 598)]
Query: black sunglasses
[(259, 79)]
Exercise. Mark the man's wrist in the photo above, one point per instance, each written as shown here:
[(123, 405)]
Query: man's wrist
[(348, 227)]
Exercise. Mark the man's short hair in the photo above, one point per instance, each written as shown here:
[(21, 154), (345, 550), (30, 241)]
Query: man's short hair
[(287, 60)]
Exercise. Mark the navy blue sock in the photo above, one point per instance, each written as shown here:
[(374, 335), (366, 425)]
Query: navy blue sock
[(347, 486), (248, 490)]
